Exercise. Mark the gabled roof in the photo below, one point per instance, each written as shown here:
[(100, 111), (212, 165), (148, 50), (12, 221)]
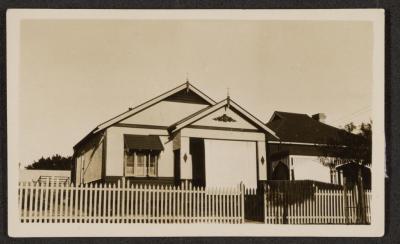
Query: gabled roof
[(171, 95), (301, 128), (208, 110), (141, 107)]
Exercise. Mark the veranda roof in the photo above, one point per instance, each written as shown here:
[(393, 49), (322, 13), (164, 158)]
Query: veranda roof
[(143, 142)]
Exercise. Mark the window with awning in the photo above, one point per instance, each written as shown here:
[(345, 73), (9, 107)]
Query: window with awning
[(141, 155), (143, 142)]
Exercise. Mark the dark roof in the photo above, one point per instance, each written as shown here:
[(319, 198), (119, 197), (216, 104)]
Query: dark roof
[(142, 142), (187, 96), (301, 128)]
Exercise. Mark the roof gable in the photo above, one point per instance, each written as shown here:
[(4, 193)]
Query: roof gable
[(187, 96), (229, 104), (197, 97), (167, 95), (225, 117), (163, 113)]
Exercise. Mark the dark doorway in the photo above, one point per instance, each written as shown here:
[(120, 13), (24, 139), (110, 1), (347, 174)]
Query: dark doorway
[(196, 148), (177, 166), (281, 172)]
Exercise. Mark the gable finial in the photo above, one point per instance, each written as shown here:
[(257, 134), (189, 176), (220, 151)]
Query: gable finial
[(187, 82), (228, 99)]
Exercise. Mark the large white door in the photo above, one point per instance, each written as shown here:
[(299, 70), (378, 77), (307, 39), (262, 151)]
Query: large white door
[(230, 162)]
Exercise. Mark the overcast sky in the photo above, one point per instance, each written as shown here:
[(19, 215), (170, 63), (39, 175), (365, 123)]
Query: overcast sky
[(78, 73)]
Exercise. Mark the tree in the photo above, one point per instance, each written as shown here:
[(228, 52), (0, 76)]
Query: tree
[(55, 162), (354, 146), (350, 127)]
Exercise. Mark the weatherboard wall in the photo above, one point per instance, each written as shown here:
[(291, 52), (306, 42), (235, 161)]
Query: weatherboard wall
[(89, 160)]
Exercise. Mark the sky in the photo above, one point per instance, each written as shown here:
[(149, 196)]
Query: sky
[(75, 74)]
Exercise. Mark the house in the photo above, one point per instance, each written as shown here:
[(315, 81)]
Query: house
[(180, 135), (309, 149)]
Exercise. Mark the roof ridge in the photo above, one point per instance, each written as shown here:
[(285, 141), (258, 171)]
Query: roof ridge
[(283, 112)]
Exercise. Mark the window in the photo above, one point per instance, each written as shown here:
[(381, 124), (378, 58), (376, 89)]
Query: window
[(130, 163), (141, 163), (152, 165)]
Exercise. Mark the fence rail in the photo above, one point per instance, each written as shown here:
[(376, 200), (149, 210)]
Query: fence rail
[(128, 203)]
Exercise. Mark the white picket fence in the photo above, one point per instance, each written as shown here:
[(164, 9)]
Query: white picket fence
[(52, 202), (128, 203), (322, 206)]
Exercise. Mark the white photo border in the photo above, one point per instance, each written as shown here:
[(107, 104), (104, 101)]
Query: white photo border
[(375, 229)]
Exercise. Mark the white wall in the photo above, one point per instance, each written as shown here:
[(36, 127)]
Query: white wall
[(309, 168), (230, 162), (231, 136), (169, 112), (115, 150)]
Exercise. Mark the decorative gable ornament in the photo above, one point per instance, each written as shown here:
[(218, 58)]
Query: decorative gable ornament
[(262, 160), (224, 118), (185, 157)]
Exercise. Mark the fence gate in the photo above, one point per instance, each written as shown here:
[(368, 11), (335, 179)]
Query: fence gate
[(253, 204)]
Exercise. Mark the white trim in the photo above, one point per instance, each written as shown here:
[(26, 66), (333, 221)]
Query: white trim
[(302, 143), (150, 103), (223, 135)]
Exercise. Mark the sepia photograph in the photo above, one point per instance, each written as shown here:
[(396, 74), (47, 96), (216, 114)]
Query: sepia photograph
[(195, 122)]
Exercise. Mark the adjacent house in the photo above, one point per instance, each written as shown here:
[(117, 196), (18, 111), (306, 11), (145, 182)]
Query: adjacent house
[(180, 135), (308, 149), (45, 176)]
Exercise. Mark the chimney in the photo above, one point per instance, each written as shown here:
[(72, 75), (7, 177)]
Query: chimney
[(320, 117)]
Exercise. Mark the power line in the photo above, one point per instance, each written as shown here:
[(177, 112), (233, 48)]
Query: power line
[(354, 114)]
